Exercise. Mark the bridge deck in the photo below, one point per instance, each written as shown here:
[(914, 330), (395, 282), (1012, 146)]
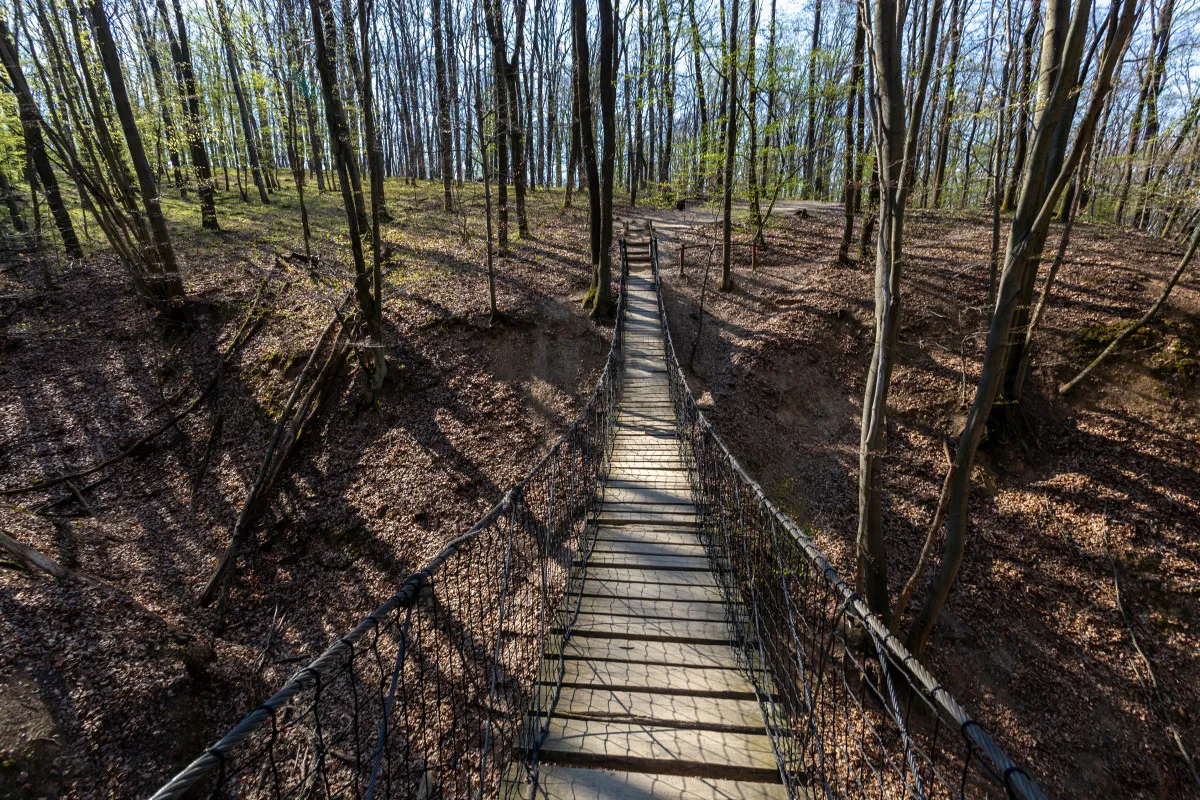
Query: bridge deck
[(652, 703)]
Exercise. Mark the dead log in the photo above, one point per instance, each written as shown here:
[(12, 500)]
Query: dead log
[(28, 555), (222, 576)]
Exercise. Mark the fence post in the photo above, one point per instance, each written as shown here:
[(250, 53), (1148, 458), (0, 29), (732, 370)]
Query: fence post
[(754, 258), (682, 247)]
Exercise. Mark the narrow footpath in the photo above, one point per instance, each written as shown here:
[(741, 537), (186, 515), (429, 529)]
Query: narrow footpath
[(652, 703)]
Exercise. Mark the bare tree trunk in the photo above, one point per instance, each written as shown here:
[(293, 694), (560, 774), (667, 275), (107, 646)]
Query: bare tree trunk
[(730, 106), (373, 313), (958, 15), (163, 285), (587, 134), (756, 216), (700, 100), (895, 150), (366, 283), (443, 101), (494, 19), (603, 306), (850, 191), (812, 185), (35, 148), (1034, 210), (1022, 133), (239, 93), (160, 88)]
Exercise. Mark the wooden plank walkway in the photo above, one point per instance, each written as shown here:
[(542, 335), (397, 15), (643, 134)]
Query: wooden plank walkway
[(652, 702)]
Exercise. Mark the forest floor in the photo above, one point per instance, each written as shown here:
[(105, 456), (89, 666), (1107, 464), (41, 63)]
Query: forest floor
[(1103, 485), (113, 691), (108, 692)]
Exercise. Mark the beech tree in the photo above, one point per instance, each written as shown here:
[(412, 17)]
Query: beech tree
[(1039, 194)]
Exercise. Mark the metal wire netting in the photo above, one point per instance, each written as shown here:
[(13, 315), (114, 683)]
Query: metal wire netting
[(436, 692), (446, 689), (850, 712)]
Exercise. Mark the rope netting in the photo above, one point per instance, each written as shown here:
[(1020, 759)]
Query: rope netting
[(433, 693), (850, 712), (446, 689)]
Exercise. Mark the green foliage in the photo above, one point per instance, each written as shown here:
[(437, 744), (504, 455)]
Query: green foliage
[(1098, 335), (1176, 362), (12, 140)]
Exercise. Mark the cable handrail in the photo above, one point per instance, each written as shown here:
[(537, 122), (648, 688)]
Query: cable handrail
[(703, 442), (545, 516)]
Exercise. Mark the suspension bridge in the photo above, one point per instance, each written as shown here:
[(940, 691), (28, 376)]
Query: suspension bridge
[(635, 618)]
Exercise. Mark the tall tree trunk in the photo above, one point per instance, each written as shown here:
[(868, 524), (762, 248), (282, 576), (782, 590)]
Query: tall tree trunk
[(373, 313), (1034, 211), (366, 283), (494, 19), (443, 101), (812, 187), (603, 305), (850, 192), (35, 147), (730, 108), (163, 284), (958, 16), (160, 88), (895, 151), (239, 93), (700, 99), (1026, 82), (756, 216), (587, 134)]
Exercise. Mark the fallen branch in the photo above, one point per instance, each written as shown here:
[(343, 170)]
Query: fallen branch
[(79, 496), (214, 431), (35, 558), (1136, 326), (128, 451), (245, 331), (49, 504), (222, 576), (938, 515)]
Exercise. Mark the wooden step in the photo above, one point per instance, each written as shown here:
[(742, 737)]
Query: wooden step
[(573, 783), (658, 749)]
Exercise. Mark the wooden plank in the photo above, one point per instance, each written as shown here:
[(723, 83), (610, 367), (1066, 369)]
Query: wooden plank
[(650, 677), (622, 574), (675, 654), (642, 607), (611, 551), (656, 708), (651, 591), (648, 507), (688, 521), (633, 538), (573, 783), (655, 562), (650, 748), (646, 495), (666, 630)]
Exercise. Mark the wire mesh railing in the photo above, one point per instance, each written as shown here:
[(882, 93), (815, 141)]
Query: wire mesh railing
[(850, 712), (440, 688), (447, 688)]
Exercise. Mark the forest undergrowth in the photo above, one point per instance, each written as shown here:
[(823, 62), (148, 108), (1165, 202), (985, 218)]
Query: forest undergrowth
[(1101, 487), (114, 685), (114, 689)]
